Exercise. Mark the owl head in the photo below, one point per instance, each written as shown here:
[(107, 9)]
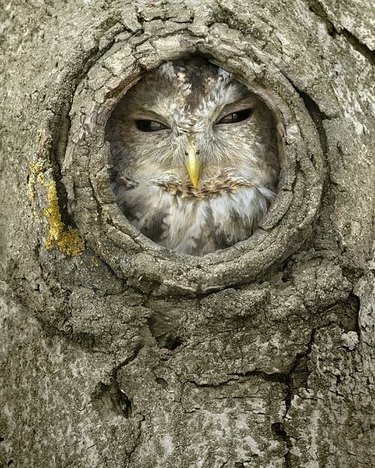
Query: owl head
[(190, 129)]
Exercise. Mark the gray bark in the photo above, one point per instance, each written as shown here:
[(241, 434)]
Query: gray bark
[(117, 353)]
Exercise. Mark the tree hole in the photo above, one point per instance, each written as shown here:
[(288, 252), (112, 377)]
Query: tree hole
[(195, 161)]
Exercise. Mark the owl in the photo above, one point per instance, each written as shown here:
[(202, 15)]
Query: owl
[(194, 157)]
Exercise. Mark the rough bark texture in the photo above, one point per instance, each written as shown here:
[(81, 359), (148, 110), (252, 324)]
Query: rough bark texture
[(117, 353)]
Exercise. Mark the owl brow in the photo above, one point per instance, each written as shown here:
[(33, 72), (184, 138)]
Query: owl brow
[(147, 114), (239, 105)]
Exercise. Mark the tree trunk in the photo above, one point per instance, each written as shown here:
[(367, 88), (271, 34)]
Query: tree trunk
[(117, 353)]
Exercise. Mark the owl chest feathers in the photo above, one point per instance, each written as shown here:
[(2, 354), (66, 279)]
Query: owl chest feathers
[(195, 221)]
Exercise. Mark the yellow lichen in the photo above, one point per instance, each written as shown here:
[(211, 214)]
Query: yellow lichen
[(36, 169), (67, 240)]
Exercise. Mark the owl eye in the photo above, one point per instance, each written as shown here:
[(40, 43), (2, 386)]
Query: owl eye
[(149, 125), (235, 117)]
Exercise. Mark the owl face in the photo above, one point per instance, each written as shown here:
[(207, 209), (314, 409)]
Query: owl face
[(191, 132), (189, 121)]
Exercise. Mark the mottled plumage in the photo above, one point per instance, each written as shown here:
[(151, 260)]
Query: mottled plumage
[(194, 157)]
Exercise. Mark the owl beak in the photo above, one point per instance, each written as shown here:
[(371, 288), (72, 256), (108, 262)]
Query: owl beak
[(193, 166)]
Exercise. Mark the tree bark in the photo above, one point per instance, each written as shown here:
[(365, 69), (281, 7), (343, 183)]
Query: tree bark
[(118, 353)]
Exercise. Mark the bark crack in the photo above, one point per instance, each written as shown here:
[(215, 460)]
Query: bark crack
[(241, 377), (129, 359), (298, 368), (317, 8), (365, 51), (136, 443), (311, 106), (111, 397), (296, 378)]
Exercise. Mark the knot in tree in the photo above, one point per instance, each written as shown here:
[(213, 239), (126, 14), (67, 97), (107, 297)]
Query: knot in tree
[(186, 235)]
